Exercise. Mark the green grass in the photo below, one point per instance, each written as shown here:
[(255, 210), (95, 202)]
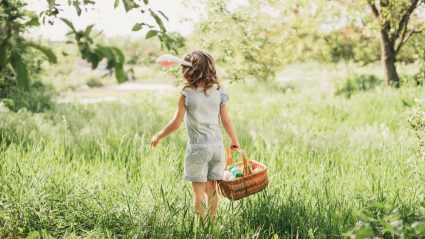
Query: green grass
[(87, 171)]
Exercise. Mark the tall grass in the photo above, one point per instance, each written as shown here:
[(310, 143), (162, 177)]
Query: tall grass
[(87, 170)]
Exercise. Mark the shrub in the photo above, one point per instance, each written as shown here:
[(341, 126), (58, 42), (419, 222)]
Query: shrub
[(93, 82), (33, 95), (356, 83), (37, 98), (382, 220), (417, 121), (419, 78), (415, 80)]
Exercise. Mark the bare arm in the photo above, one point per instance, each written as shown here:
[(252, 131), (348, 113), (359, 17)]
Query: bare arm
[(173, 125), (228, 126)]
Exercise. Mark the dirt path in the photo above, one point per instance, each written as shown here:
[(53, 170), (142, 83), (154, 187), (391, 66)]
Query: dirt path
[(113, 92)]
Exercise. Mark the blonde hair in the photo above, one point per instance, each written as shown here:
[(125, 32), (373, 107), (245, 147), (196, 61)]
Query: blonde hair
[(202, 70)]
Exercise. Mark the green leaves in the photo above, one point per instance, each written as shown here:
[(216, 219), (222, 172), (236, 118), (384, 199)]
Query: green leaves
[(95, 53), (417, 122), (33, 19), (151, 34), (379, 219), (18, 65), (51, 3), (20, 70), (167, 40), (77, 4), (115, 59), (3, 55), (88, 30), (69, 24), (247, 41), (119, 55), (137, 27), (129, 5), (77, 7), (166, 18), (13, 44), (51, 57), (158, 20), (120, 74)]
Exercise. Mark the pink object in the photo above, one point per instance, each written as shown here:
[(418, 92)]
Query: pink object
[(226, 175), (169, 60), (256, 170), (166, 63)]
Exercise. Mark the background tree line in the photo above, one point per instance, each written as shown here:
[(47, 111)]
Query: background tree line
[(255, 39), (262, 36)]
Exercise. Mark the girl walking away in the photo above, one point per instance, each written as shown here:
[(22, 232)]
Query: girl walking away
[(203, 105)]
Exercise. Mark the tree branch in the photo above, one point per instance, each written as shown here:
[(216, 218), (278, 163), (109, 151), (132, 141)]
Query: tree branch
[(385, 27), (402, 25), (374, 8), (405, 38)]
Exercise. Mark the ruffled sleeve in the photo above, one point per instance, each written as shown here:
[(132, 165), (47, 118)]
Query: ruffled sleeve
[(224, 97), (183, 92)]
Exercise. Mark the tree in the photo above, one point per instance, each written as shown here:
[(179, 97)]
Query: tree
[(332, 31), (393, 18), (258, 37), (245, 41), (15, 21)]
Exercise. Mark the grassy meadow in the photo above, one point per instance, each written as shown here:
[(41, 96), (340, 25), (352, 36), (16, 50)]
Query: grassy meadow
[(86, 170)]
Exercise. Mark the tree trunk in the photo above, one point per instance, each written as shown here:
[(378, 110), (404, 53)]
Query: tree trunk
[(388, 58)]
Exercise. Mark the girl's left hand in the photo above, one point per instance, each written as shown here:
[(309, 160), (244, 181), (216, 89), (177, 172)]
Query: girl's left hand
[(154, 141)]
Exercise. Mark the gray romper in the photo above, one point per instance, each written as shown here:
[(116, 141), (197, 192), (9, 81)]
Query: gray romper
[(205, 156)]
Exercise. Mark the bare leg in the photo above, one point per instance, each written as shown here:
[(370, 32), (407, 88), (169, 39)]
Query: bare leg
[(199, 200), (212, 197)]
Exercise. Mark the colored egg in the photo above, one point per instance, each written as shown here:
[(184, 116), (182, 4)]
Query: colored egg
[(235, 169), (226, 175), (238, 174), (230, 167), (232, 177), (256, 170)]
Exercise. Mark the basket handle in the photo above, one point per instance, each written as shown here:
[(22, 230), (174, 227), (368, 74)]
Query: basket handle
[(229, 159)]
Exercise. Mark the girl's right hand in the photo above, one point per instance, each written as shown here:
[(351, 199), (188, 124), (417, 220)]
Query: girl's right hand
[(154, 141), (235, 145)]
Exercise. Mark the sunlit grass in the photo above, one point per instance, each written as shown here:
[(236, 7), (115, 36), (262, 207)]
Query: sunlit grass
[(87, 170)]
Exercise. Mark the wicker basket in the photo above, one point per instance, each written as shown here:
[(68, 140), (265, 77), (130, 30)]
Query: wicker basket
[(248, 184)]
